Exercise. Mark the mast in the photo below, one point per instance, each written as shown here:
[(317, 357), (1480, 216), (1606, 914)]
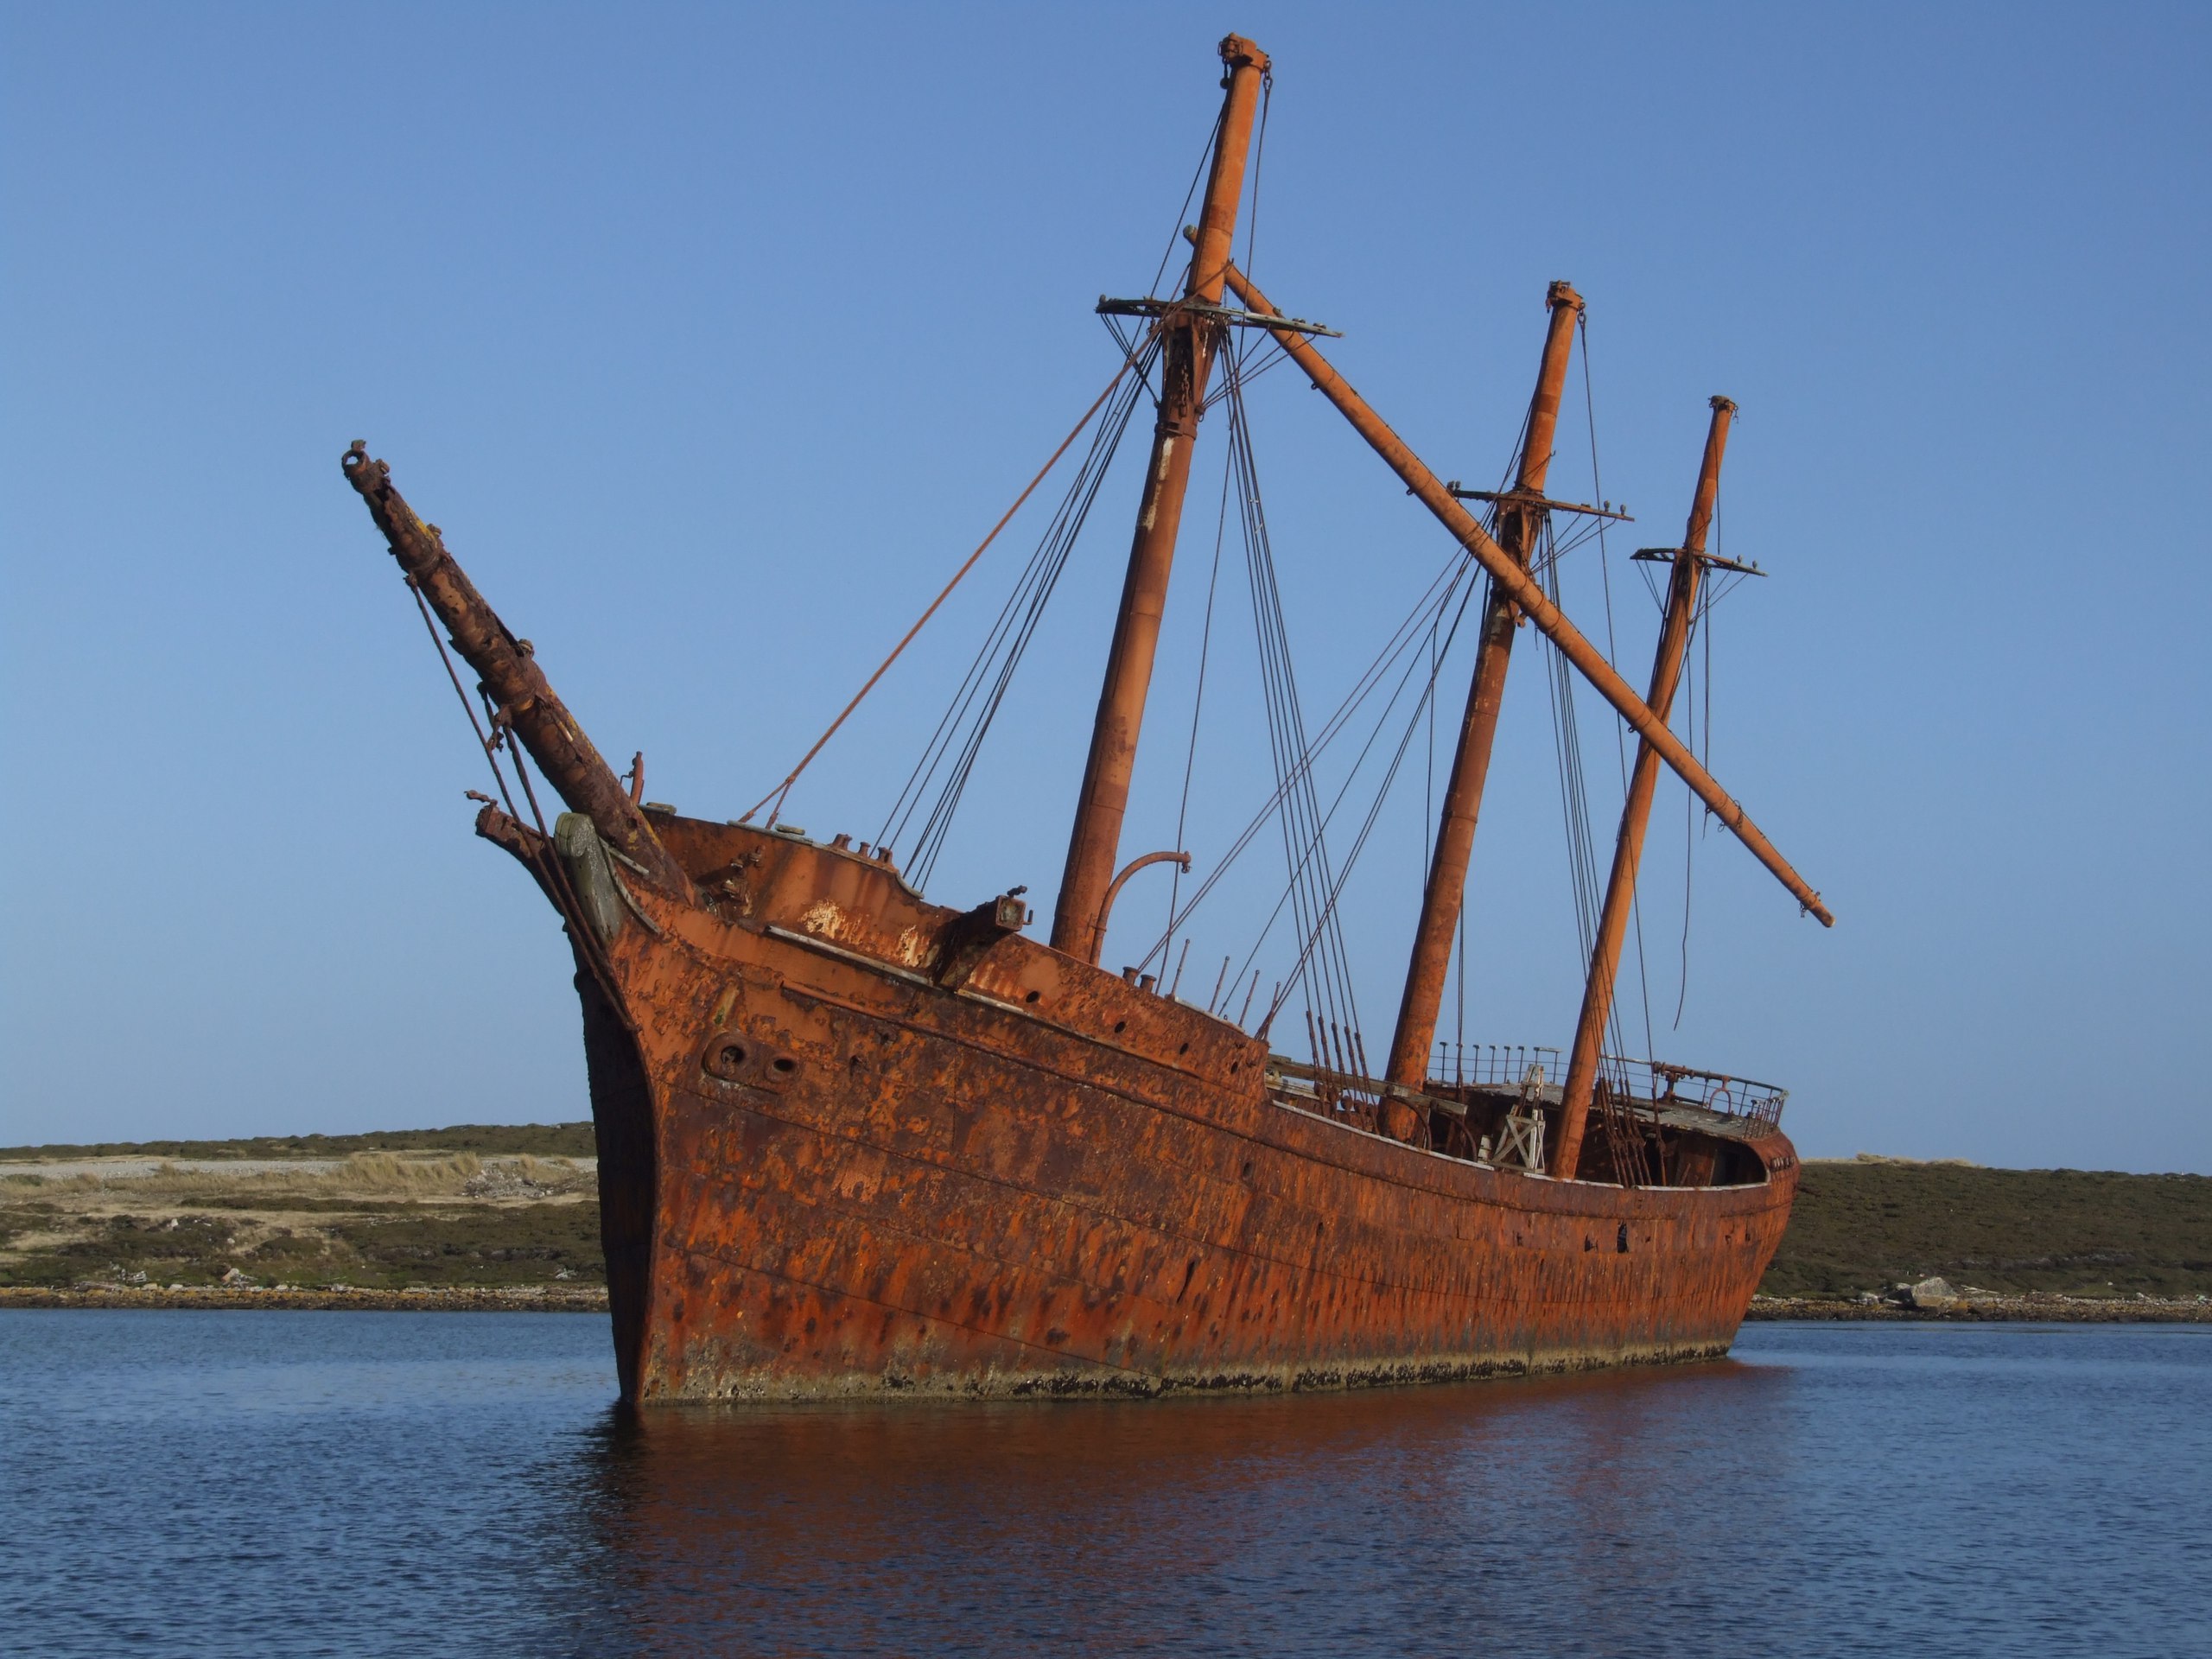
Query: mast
[(1521, 524), (1549, 620), (1689, 563), (511, 678), (1186, 359)]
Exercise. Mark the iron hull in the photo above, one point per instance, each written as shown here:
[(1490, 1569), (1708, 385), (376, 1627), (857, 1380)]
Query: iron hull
[(842, 1152)]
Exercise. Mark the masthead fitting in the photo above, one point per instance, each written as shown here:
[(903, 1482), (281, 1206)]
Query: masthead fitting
[(1237, 53)]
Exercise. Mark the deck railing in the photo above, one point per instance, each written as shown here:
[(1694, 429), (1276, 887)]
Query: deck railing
[(1496, 1065), (1655, 1083), (1536, 1072)]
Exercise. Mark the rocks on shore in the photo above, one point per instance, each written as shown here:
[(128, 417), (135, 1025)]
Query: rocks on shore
[(1936, 1299)]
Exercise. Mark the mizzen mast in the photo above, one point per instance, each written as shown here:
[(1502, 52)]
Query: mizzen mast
[(1189, 339), (1523, 512), (1689, 562)]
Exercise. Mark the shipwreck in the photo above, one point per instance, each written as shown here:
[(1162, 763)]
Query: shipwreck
[(851, 1140)]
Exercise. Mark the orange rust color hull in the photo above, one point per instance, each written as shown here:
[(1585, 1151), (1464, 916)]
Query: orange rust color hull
[(825, 1172)]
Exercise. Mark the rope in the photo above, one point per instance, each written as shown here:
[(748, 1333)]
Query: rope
[(1373, 812), (1438, 596), (1613, 655), (549, 869), (1197, 701), (1259, 160), (975, 705), (1304, 827), (1182, 213), (783, 790)]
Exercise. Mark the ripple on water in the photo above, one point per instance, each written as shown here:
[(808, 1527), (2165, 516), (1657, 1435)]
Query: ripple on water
[(190, 1482)]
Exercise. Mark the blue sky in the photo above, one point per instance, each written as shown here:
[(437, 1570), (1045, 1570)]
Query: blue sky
[(715, 338)]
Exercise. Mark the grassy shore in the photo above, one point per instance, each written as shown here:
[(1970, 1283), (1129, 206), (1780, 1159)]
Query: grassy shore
[(376, 1219), (1871, 1222), (472, 1206)]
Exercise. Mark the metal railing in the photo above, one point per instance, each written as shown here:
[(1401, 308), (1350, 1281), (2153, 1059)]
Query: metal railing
[(1656, 1083), (1641, 1083), (1495, 1065)]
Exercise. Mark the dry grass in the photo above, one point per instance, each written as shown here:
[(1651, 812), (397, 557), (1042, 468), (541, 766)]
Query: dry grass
[(364, 1174)]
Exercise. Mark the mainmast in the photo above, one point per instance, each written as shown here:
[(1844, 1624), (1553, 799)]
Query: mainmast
[(1689, 562), (1189, 343), (1522, 515)]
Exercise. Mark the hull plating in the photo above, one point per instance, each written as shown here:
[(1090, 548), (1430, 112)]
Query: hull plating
[(826, 1173)]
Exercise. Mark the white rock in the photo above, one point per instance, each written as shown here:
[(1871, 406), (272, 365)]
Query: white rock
[(1934, 1294)]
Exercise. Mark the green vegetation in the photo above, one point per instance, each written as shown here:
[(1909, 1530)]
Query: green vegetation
[(374, 1246), (374, 1219), (495, 1140), (497, 1206), (1876, 1222)]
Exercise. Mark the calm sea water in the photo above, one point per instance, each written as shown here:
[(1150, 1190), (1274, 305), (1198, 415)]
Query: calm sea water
[(232, 1483)]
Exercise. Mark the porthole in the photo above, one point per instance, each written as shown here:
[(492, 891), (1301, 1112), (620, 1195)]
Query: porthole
[(725, 1055)]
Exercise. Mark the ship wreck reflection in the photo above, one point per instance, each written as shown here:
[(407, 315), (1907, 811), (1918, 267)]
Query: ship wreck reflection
[(1544, 1511)]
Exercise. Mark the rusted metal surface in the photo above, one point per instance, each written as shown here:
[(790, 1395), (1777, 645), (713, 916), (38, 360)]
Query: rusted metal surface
[(850, 1141), (1051, 1180), (520, 696), (1114, 890), (1522, 590), (1636, 809), (1186, 359), (1521, 521)]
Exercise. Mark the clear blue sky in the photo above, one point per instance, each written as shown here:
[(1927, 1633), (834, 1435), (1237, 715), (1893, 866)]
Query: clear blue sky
[(716, 337)]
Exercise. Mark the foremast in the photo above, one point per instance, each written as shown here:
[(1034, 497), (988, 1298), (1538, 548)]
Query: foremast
[(1190, 339)]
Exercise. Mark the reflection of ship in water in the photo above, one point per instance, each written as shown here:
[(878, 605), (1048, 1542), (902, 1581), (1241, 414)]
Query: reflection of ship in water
[(1239, 1524), (853, 1140)]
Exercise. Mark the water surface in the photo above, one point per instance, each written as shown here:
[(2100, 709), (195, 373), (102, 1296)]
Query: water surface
[(352, 1483)]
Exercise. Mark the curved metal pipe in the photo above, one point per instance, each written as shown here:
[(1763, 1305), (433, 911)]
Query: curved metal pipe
[(1106, 905)]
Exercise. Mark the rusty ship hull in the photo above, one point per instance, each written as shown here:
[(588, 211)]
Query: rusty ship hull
[(826, 1171)]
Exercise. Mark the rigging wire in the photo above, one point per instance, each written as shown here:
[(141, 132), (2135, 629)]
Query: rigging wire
[(1182, 213), (953, 748), (783, 790), (1305, 848), (1234, 372), (1613, 657), (1689, 827), (1197, 700), (1259, 160), (1436, 597), (1373, 812)]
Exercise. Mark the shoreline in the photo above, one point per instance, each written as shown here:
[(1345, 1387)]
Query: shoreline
[(526, 1298), (2041, 1309)]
